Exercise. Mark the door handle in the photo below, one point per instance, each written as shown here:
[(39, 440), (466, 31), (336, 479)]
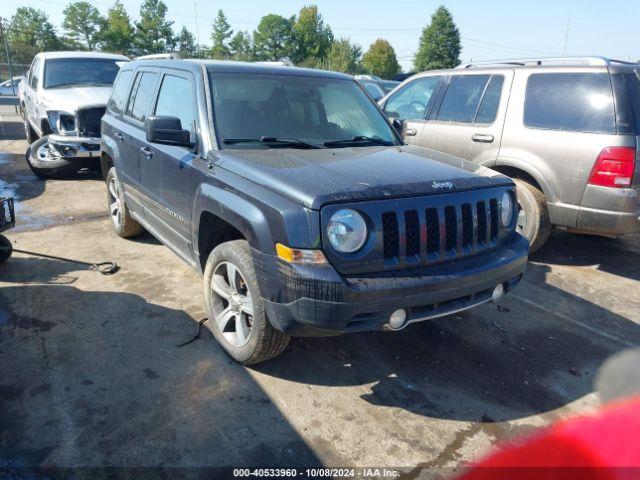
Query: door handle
[(119, 136), (482, 138), (410, 132), (146, 152)]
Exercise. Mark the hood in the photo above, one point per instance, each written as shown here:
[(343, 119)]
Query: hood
[(317, 177), (70, 99)]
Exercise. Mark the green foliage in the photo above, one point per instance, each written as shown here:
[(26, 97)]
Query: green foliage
[(439, 44), (381, 60), (241, 48), (312, 37), (117, 34), (186, 44), (273, 39), (83, 23), (153, 32), (344, 57), (220, 35), (29, 32)]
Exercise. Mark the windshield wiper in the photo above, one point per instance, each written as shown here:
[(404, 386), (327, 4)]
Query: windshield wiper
[(293, 142), (79, 84), (358, 139)]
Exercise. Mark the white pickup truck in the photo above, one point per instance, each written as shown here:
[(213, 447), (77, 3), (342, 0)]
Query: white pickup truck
[(62, 102)]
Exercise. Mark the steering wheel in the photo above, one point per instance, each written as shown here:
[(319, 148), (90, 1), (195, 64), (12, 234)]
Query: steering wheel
[(328, 128), (420, 106)]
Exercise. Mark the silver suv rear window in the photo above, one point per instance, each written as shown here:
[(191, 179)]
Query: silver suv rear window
[(577, 102)]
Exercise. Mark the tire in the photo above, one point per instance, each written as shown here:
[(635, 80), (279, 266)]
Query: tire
[(43, 165), (533, 221), (121, 220), (6, 249), (261, 341)]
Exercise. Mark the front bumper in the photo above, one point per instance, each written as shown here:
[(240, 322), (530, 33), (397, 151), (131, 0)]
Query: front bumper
[(305, 300), (75, 147)]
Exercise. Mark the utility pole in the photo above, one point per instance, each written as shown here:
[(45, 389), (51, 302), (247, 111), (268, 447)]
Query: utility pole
[(6, 52), (566, 36), (195, 9)]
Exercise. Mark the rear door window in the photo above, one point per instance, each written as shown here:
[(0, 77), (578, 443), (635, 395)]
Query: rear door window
[(412, 100), (462, 98), (140, 104), (577, 102), (490, 100), (120, 94)]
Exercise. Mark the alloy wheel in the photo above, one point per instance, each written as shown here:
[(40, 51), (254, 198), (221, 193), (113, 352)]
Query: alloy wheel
[(232, 304), (115, 202)]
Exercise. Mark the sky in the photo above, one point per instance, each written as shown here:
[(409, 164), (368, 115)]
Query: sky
[(489, 30)]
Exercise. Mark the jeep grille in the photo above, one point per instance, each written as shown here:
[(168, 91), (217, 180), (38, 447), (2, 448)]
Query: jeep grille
[(418, 231)]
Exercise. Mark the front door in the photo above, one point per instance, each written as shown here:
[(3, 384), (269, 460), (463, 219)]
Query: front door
[(411, 103), (171, 165)]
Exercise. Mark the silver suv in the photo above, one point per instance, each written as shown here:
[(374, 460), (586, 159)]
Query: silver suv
[(566, 129)]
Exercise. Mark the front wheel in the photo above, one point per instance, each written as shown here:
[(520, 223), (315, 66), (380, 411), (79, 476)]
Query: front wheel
[(235, 307), (533, 219), (45, 164)]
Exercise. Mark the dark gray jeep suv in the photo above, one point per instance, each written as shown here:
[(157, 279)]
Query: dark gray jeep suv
[(295, 197)]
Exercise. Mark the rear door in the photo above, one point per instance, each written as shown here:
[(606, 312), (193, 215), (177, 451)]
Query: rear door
[(140, 179), (412, 103), (469, 118)]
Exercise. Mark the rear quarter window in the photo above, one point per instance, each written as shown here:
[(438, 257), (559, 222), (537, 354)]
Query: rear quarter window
[(577, 102), (626, 87), (120, 94)]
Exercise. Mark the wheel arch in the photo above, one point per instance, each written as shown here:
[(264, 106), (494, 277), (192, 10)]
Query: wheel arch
[(221, 215), (523, 171)]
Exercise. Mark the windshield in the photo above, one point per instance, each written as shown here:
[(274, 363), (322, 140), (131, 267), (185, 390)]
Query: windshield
[(75, 72), (283, 111)]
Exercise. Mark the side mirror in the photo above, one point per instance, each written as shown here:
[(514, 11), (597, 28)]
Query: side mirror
[(397, 124), (167, 131)]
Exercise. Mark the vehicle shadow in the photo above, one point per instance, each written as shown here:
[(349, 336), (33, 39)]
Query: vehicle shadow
[(482, 365), (11, 130), (17, 180), (615, 256), (92, 378)]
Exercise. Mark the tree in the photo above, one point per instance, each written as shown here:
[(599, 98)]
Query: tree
[(240, 47), (29, 32), (186, 43), (83, 23), (381, 60), (312, 37), (344, 57), (220, 36), (117, 34), (273, 39), (439, 44), (153, 32)]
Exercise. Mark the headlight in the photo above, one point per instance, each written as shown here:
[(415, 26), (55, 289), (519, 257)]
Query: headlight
[(62, 122), (347, 231), (507, 209)]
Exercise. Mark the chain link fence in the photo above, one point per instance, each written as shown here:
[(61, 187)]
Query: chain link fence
[(16, 70)]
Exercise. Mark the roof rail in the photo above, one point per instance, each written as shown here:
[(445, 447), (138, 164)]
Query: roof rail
[(160, 56), (521, 62)]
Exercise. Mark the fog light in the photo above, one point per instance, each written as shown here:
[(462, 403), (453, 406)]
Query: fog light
[(498, 292), (69, 151), (398, 319)]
